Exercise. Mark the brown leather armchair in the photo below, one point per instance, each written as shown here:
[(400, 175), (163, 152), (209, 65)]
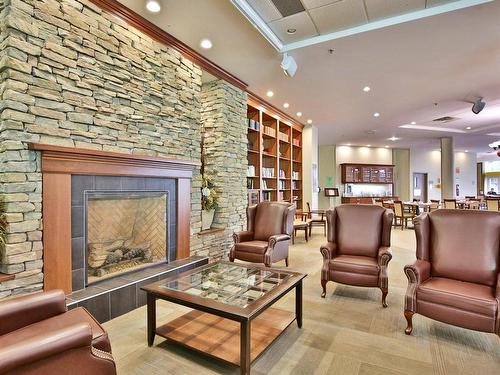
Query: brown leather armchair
[(266, 240), (39, 336), (456, 278), (358, 249)]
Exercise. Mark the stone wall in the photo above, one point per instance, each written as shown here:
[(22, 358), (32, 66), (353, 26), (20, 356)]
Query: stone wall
[(225, 158), (72, 75)]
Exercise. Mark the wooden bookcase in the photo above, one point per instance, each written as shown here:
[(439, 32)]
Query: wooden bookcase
[(275, 153)]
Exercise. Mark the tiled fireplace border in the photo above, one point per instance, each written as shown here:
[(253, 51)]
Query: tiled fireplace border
[(120, 295)]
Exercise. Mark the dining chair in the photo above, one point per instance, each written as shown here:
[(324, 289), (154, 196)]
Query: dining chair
[(434, 205), (401, 215), (493, 204), (450, 204), (316, 219), (378, 202), (474, 203)]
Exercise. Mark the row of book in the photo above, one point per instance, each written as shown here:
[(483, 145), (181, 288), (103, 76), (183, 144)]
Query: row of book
[(267, 172), (295, 175), (252, 124)]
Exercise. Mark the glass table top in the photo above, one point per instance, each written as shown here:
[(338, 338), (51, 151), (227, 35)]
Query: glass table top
[(228, 283)]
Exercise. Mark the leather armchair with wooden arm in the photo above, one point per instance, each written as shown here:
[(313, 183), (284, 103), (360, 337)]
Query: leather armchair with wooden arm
[(455, 278), (268, 234), (39, 336), (358, 248)]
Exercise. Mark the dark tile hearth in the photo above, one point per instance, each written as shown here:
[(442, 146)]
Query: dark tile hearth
[(111, 298)]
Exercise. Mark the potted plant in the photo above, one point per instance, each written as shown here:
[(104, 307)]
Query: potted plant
[(209, 204)]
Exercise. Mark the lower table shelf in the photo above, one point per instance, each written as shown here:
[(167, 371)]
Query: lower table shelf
[(220, 338)]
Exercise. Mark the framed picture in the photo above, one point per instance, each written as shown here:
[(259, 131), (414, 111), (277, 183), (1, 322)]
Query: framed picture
[(331, 192)]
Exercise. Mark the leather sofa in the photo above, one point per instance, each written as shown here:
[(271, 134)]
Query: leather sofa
[(358, 250), (268, 234), (455, 278), (39, 336)]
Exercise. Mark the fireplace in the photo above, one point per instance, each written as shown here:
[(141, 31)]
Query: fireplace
[(124, 231)]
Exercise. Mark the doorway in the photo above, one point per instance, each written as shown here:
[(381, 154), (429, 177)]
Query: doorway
[(420, 186)]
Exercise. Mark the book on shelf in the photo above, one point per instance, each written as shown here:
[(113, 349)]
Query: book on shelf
[(266, 195), (250, 171), (269, 131), (267, 172), (252, 124), (283, 137), (249, 183), (282, 185), (296, 175), (296, 142), (282, 173), (281, 196), (294, 185)]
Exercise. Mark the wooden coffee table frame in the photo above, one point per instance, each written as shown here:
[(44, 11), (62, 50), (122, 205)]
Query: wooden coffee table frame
[(244, 316)]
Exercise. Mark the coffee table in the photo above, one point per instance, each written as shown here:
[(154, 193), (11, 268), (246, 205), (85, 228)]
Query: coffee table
[(232, 305)]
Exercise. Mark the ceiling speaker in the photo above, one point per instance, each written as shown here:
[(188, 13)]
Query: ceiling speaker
[(478, 105), (289, 65)]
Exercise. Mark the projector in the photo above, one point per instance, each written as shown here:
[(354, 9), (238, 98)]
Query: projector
[(289, 65)]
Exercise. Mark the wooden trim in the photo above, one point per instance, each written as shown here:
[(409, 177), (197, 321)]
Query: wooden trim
[(57, 232), (256, 101), (119, 10), (210, 231), (5, 277), (56, 159), (183, 217)]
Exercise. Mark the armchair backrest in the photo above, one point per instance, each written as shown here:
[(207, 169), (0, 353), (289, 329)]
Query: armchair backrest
[(359, 229), (460, 244), (267, 219)]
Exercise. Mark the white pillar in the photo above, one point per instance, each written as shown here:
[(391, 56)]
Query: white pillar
[(447, 169)]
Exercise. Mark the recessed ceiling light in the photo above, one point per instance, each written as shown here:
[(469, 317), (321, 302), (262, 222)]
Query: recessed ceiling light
[(286, 105), (466, 150), (299, 114), (368, 145), (348, 144), (413, 123), (376, 114), (153, 6), (366, 88), (468, 128), (270, 93), (393, 138), (309, 121), (291, 31), (206, 44), (386, 146)]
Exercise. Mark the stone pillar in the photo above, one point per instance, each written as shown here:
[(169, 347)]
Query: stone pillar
[(224, 129), (447, 169)]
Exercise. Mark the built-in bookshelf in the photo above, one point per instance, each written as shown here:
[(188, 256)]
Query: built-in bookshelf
[(274, 156)]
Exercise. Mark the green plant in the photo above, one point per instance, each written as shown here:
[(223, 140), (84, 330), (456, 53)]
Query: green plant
[(209, 196), (3, 223)]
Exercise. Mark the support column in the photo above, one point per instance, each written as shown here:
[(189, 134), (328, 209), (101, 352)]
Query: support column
[(447, 169)]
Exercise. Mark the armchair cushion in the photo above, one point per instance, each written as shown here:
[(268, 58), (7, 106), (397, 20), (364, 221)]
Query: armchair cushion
[(465, 296), (355, 264), (255, 247), (78, 315)]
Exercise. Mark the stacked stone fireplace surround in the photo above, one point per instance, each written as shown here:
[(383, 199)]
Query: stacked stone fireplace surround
[(72, 75)]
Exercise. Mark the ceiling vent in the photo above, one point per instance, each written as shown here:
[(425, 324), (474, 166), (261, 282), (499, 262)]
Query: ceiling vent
[(445, 119), (288, 7)]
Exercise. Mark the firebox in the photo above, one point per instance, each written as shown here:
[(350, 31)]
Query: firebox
[(124, 231)]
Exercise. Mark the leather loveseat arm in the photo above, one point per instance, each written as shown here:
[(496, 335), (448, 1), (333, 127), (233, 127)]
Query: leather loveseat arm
[(498, 288), (23, 311), (328, 250), (273, 240), (416, 273), (74, 341), (383, 258), (242, 236)]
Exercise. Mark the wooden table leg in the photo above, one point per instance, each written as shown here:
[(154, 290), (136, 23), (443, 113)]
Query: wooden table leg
[(298, 303), (245, 348), (151, 318)]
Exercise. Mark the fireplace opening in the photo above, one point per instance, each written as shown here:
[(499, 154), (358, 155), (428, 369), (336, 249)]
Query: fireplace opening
[(124, 231)]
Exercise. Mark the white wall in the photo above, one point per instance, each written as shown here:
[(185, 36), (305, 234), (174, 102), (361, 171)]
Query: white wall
[(327, 168), (429, 161), (309, 158)]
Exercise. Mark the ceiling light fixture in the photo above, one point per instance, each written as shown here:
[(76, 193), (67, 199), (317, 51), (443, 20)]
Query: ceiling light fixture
[(309, 121), (270, 94), (299, 114), (386, 146), (366, 88), (291, 31), (466, 150), (468, 128), (376, 114), (206, 44), (368, 145), (286, 105), (348, 144), (413, 123), (153, 6), (289, 65), (393, 138)]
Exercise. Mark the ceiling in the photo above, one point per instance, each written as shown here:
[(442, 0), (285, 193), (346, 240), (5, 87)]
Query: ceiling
[(418, 70)]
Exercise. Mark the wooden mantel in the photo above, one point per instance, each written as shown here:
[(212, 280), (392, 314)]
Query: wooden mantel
[(59, 163)]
